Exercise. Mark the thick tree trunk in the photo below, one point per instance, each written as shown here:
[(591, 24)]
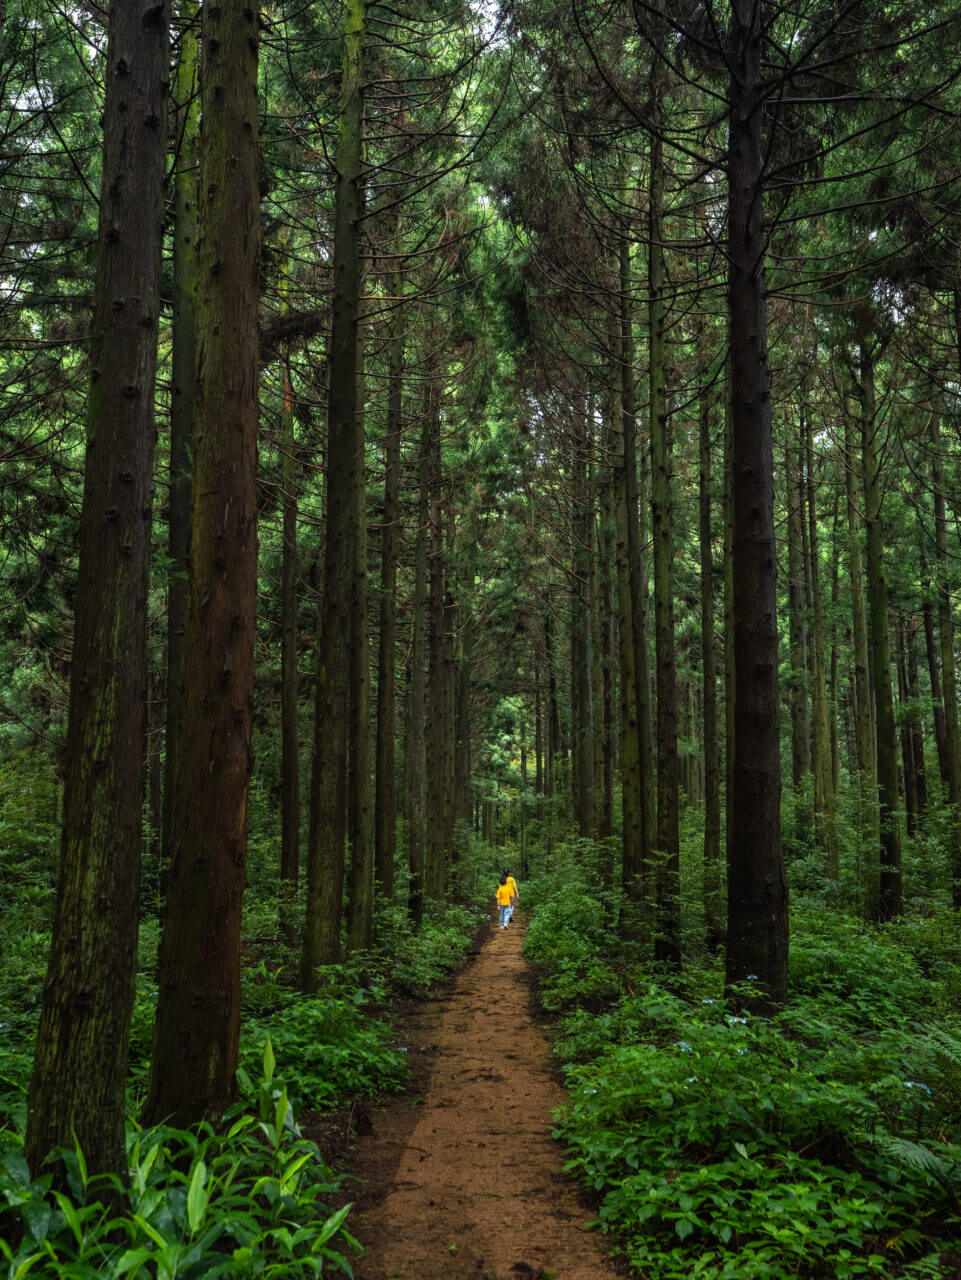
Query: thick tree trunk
[(667, 940), (78, 1083), (728, 618), (183, 358), (385, 824), (757, 932), (197, 1031), (328, 802), (889, 900), (908, 771), (604, 646)]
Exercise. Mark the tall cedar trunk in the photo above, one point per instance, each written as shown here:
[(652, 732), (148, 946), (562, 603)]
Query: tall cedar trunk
[(604, 613), (538, 733), (863, 728), (824, 769), (728, 617), (832, 637), (197, 1030), (917, 728), (554, 717), (934, 675), (290, 738), (713, 912), (636, 580), (757, 932), (183, 357), (450, 702), (582, 727), (633, 847), (80, 1063), (800, 718), (417, 712), (908, 774), (948, 668), (889, 899), (435, 846), (462, 673), (385, 803), (360, 808), (667, 940), (328, 801)]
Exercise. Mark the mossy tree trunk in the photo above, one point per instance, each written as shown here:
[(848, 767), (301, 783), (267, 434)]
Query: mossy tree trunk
[(197, 1030), (78, 1083), (328, 802)]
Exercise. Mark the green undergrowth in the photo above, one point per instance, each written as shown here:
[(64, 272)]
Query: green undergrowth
[(255, 1197), (825, 1142)]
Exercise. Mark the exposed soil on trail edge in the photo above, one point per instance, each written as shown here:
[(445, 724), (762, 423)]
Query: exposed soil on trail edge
[(461, 1178)]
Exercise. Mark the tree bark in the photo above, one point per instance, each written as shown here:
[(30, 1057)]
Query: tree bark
[(667, 939), (290, 737), (328, 818), (417, 714), (948, 667), (183, 361), (78, 1083), (197, 1030), (385, 825), (713, 912), (757, 932), (889, 899)]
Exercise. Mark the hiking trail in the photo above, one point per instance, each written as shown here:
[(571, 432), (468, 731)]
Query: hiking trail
[(462, 1180)]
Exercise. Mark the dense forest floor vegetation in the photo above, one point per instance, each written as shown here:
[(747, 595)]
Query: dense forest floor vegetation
[(249, 1198), (823, 1141)]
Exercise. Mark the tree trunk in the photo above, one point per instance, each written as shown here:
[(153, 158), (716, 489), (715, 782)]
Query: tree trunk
[(889, 900), (183, 357), (824, 771), (197, 1030), (633, 847), (798, 689), (667, 940), (289, 731), (417, 714), (77, 1088), (636, 579), (582, 726), (948, 666), (934, 674), (757, 932), (713, 913), (435, 848), (328, 817), (908, 772), (863, 727), (385, 825)]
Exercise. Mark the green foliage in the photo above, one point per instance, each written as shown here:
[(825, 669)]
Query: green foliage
[(818, 1142), (253, 1200)]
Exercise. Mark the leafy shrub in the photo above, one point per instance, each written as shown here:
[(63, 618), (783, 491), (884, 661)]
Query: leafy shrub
[(725, 1146), (252, 1201)]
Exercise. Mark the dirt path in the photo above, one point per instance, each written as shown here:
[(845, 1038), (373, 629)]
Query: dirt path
[(464, 1182)]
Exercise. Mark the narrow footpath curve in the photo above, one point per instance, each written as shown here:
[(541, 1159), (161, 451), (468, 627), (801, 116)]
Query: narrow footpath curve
[(469, 1185)]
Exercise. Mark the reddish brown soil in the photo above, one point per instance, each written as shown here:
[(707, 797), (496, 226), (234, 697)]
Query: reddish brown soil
[(461, 1178)]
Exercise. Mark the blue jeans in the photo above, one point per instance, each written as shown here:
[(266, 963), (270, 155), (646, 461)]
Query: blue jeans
[(505, 916)]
